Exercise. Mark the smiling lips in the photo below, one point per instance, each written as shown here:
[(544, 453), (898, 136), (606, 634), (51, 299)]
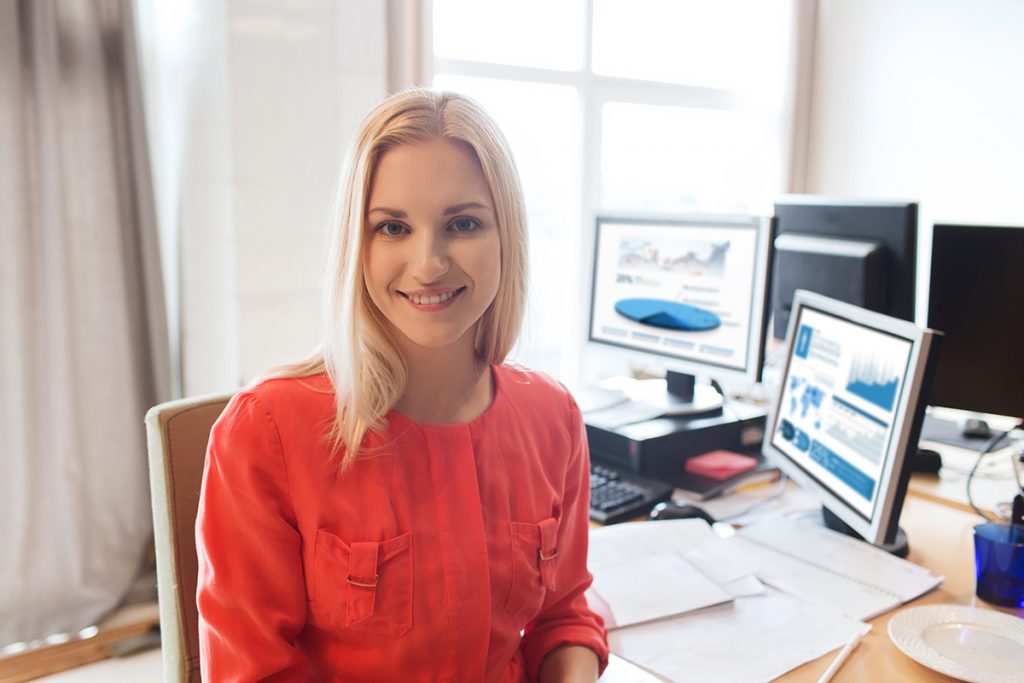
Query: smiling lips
[(433, 301)]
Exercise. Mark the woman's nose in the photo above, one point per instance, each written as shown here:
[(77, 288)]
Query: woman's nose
[(430, 261)]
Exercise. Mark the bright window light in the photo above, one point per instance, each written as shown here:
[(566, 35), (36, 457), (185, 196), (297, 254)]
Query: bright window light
[(535, 33), (730, 44)]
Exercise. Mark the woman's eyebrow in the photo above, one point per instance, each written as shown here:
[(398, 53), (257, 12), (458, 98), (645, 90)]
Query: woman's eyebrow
[(394, 213), (462, 207)]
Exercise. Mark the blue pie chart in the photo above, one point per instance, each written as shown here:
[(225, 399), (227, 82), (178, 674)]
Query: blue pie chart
[(668, 315)]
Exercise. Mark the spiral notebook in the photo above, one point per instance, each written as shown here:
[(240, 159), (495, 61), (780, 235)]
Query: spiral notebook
[(804, 559)]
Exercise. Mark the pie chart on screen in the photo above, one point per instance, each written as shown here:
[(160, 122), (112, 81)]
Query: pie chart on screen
[(668, 315)]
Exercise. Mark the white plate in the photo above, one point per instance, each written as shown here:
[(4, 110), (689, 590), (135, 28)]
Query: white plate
[(970, 643)]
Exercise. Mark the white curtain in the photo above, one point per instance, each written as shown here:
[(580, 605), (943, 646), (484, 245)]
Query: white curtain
[(83, 341)]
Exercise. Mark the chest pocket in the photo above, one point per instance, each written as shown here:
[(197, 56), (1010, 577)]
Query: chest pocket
[(534, 567), (364, 586)]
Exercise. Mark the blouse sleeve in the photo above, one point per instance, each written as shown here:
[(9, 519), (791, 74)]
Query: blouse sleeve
[(250, 594), (565, 618)]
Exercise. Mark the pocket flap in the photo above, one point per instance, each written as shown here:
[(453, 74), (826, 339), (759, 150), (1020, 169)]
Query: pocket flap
[(548, 538), (542, 537)]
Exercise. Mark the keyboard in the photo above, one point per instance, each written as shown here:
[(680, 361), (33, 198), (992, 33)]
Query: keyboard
[(617, 496)]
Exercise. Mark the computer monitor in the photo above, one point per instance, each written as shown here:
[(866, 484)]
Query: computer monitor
[(689, 290), (976, 297), (860, 252), (848, 411)]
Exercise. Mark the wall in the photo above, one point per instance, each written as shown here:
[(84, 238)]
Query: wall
[(921, 99), (250, 107)]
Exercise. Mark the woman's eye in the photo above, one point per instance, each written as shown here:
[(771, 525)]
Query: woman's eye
[(465, 224), (390, 229)]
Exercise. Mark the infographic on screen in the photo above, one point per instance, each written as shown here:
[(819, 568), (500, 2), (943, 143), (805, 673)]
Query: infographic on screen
[(679, 290), (840, 396)]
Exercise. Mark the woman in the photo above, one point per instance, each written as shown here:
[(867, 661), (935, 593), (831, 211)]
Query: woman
[(403, 506)]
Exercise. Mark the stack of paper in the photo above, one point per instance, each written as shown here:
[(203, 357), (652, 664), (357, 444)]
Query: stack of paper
[(807, 560), (677, 598)]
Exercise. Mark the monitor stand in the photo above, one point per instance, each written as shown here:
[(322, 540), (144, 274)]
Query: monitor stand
[(899, 547), (677, 394)]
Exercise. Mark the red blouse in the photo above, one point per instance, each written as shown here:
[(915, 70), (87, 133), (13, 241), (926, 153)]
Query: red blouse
[(451, 553)]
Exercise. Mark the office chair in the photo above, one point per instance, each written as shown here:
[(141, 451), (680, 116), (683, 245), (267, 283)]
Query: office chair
[(177, 434)]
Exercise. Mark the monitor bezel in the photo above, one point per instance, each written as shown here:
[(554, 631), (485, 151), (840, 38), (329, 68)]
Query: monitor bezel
[(754, 359), (881, 527)]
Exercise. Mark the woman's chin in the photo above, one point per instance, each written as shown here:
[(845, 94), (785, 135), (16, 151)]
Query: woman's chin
[(439, 342)]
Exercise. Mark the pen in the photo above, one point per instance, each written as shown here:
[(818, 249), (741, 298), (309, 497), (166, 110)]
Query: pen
[(841, 657)]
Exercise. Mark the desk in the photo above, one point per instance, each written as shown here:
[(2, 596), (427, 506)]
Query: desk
[(942, 540)]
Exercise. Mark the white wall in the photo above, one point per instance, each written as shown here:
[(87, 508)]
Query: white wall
[(921, 99), (250, 106)]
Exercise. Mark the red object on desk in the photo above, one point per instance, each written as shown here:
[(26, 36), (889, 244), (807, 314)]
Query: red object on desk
[(720, 465)]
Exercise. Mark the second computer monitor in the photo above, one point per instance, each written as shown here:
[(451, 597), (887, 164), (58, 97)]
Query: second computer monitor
[(691, 290), (860, 252)]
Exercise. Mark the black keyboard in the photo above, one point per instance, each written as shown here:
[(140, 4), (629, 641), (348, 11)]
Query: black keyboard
[(617, 496)]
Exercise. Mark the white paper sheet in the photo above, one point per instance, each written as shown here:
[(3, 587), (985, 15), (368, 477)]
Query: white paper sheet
[(653, 587), (621, 671), (801, 536), (626, 540), (751, 639), (644, 571)]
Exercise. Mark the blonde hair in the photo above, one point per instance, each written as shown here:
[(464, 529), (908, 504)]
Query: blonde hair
[(357, 353)]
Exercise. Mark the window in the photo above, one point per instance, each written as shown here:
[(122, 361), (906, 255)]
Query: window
[(654, 106)]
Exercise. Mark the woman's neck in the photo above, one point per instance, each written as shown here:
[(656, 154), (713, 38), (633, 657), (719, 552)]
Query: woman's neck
[(445, 386)]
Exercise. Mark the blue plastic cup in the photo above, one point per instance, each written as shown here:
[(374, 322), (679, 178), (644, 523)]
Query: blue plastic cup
[(999, 563)]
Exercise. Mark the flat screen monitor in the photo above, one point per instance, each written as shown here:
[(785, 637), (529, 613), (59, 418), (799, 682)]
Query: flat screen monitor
[(689, 290), (848, 410), (860, 252), (976, 297)]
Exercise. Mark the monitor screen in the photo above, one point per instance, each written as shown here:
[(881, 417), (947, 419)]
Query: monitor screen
[(690, 290), (849, 406), (976, 297), (860, 252)]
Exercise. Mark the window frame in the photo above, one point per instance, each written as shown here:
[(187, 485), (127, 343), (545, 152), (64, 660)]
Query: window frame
[(595, 90)]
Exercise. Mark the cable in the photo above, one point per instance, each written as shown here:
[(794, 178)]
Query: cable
[(989, 447), (1016, 514), (721, 392), (727, 402)]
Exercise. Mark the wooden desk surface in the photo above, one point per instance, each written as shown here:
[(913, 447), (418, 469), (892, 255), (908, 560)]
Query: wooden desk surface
[(941, 539)]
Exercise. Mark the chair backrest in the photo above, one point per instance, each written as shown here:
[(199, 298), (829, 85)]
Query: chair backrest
[(178, 432)]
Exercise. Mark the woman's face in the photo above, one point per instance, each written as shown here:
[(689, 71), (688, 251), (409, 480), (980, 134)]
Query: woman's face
[(433, 257)]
